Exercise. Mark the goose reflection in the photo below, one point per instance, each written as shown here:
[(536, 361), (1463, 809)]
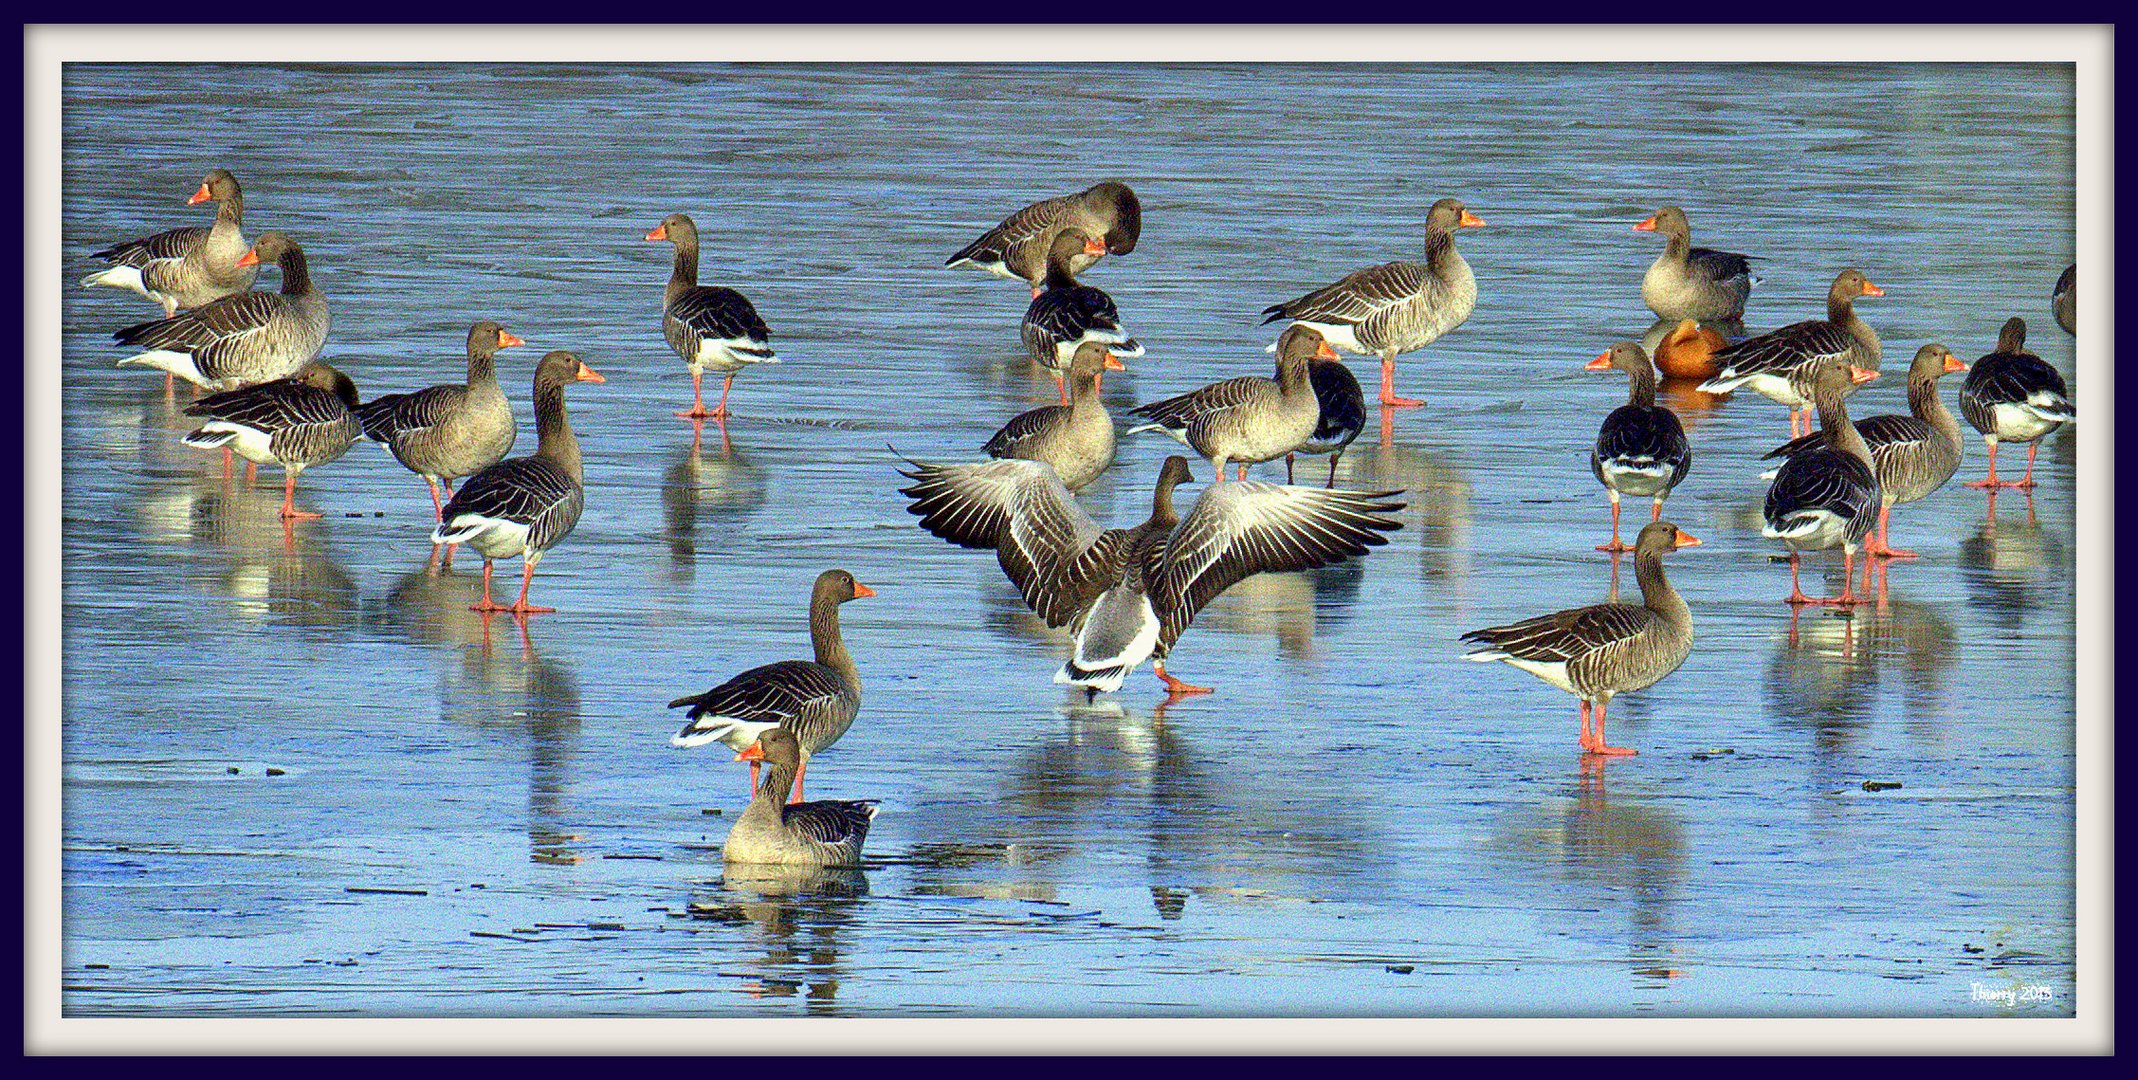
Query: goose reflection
[(720, 486), (1437, 510), (2013, 565), (1915, 640), (430, 605), (1822, 679), (504, 686), (272, 575), (801, 914)]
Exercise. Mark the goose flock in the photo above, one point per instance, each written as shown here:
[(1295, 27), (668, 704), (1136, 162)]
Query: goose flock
[(1126, 593)]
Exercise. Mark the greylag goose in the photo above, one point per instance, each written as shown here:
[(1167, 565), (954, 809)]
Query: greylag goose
[(1913, 455), (1131, 592), (1641, 448), (186, 267), (2012, 395), (1603, 650), (297, 422), (1828, 496), (442, 433), (1782, 364), (772, 830), (1687, 282), (1249, 419), (814, 701), (1065, 314), (248, 338), (1077, 439), (1343, 412), (2065, 300), (1017, 248), (707, 325), (1396, 307), (523, 506)]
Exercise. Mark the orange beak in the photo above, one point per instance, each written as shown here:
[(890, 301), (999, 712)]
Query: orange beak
[(1471, 221), (1113, 363), (1601, 363), (1859, 376), (250, 258), (1954, 363), (1872, 290), (754, 752), (1093, 247), (1324, 352), (1686, 539), (587, 374), (1647, 224), (660, 232), (200, 196), (861, 590), (507, 339)]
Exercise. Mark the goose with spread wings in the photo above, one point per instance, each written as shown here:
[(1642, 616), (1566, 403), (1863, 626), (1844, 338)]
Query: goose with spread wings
[(1132, 592)]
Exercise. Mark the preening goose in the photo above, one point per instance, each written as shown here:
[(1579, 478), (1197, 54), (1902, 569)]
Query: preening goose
[(1781, 365), (1641, 447), (1828, 496), (1249, 419), (523, 506), (2012, 395), (186, 267), (772, 830), (1132, 592), (814, 701), (297, 422), (707, 325), (1076, 439), (1066, 315), (1603, 650), (247, 338), (1687, 282), (1396, 307), (1017, 248), (442, 433)]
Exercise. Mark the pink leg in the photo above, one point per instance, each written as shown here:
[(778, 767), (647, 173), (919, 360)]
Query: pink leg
[(755, 767), (720, 411), (1991, 482), (799, 771), (1588, 735), (1796, 590), (289, 494), (521, 606), (697, 398), (1243, 472), (1616, 544), (2026, 483), (1174, 686), (1603, 745), (1388, 386), (487, 604)]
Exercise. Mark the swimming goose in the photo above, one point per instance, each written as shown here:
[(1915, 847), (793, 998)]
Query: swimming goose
[(1396, 307), (1687, 282), (1913, 455), (772, 830), (248, 338), (814, 701), (2065, 300), (186, 267), (1603, 650), (523, 506), (2012, 395), (1065, 314), (1017, 249), (297, 422), (1077, 439), (1131, 592), (442, 433), (1249, 419), (1641, 448), (1827, 496), (707, 325), (1782, 364), (1343, 412)]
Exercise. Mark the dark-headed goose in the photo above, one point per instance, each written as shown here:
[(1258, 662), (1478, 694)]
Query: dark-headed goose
[(1077, 439), (1065, 315), (1250, 419), (707, 325), (1017, 248), (2012, 395), (1782, 364), (1641, 448), (1826, 497), (442, 433), (247, 338), (297, 422), (773, 830), (191, 266), (1687, 282)]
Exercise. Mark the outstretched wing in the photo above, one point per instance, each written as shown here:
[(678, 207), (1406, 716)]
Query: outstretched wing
[(1057, 556)]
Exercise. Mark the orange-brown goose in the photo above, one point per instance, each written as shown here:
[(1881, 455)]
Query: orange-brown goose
[(1687, 282), (1132, 592), (773, 830), (1913, 455), (1781, 365), (1249, 419), (1598, 652), (297, 422), (2012, 395), (442, 433), (1829, 496), (814, 701), (1077, 439), (1065, 314), (248, 338), (707, 325), (1396, 307), (2065, 300), (186, 267), (1017, 248), (523, 506), (1641, 447)]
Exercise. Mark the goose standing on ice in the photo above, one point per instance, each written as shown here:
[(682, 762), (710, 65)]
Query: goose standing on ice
[(2012, 395), (442, 433), (1017, 249), (297, 422), (1249, 419), (1687, 282), (1076, 439), (1781, 365), (1827, 496), (248, 338), (1065, 315), (186, 267), (1641, 447), (707, 325)]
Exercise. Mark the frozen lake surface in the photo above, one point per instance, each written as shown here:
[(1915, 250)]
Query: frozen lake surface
[(302, 778)]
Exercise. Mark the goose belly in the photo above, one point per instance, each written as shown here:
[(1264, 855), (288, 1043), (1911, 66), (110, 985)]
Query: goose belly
[(2017, 423), (1810, 530), (499, 538)]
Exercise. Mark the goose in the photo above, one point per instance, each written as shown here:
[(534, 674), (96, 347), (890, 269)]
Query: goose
[(296, 422), (814, 701), (1342, 408), (707, 325), (442, 433), (2012, 395), (523, 506), (2065, 300), (1687, 282), (248, 338), (1688, 351), (1603, 650), (1132, 592), (1828, 496), (190, 266), (772, 830), (1782, 364), (1396, 307), (1249, 419), (1076, 439), (1017, 249), (1913, 455), (1641, 448), (1066, 315)]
